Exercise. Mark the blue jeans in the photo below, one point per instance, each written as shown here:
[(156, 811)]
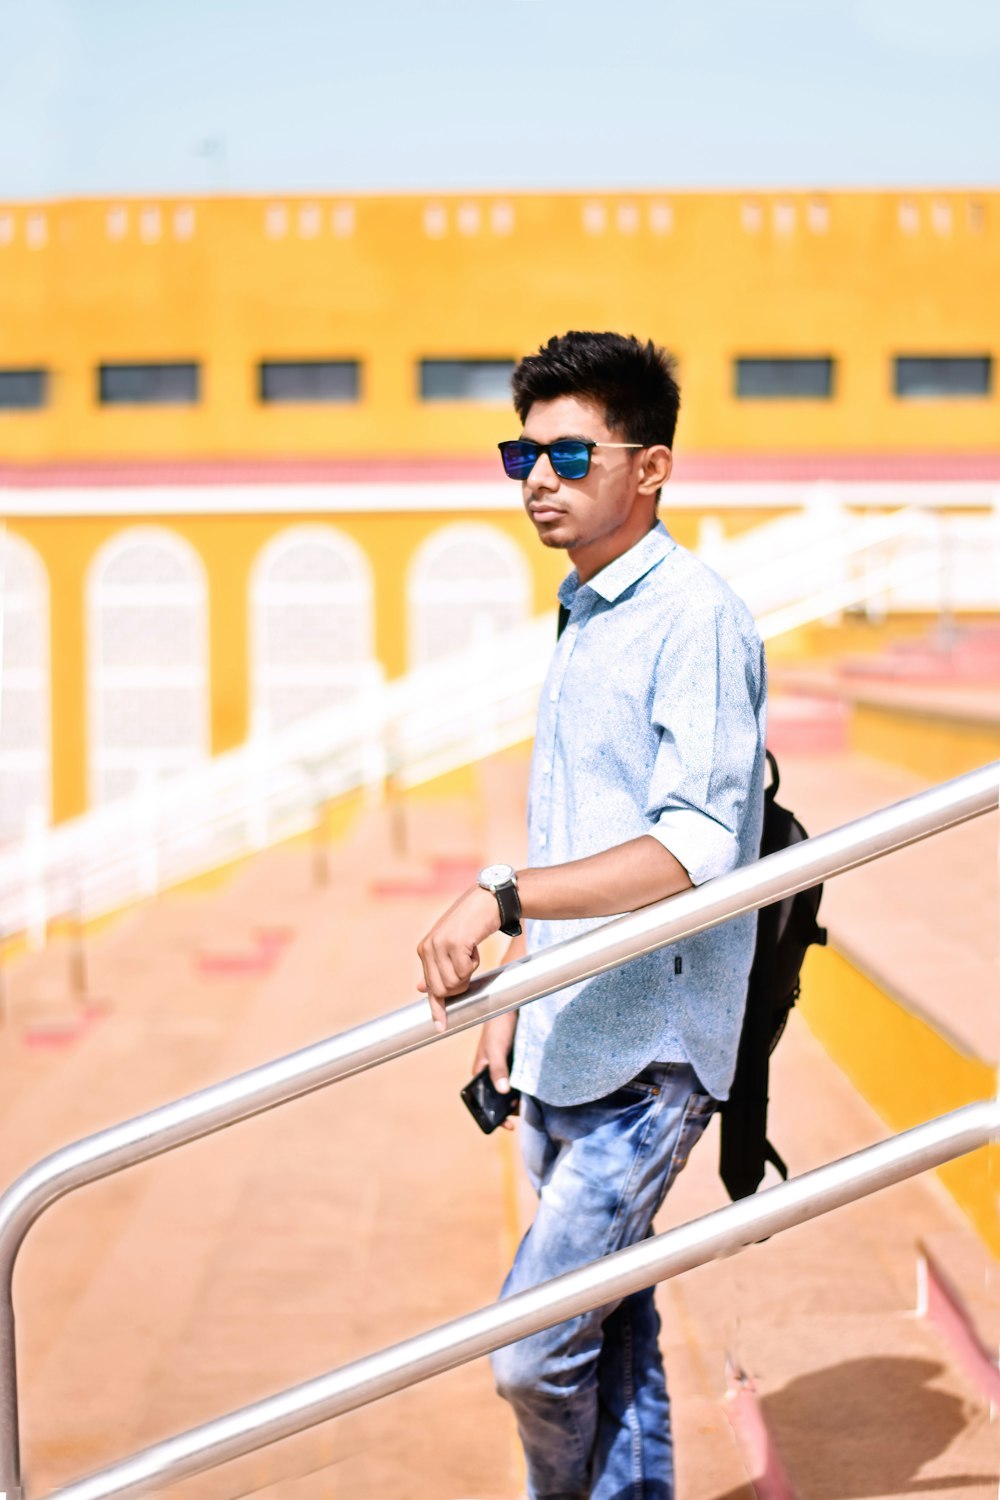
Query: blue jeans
[(590, 1395)]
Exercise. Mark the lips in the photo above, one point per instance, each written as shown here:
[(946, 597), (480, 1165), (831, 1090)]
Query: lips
[(544, 512)]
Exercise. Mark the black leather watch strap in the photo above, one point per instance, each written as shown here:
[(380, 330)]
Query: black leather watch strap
[(509, 903)]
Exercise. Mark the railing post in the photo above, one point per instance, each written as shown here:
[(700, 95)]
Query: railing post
[(258, 757), (36, 889), (10, 1457), (373, 714)]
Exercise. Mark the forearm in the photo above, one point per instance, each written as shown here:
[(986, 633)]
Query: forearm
[(620, 879)]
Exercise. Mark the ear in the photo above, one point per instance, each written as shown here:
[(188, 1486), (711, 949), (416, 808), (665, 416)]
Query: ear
[(655, 466)]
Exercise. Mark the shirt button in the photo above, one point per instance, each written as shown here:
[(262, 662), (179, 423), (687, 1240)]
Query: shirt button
[(553, 694), (543, 839), (546, 770)]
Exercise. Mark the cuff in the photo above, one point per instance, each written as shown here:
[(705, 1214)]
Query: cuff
[(698, 842)]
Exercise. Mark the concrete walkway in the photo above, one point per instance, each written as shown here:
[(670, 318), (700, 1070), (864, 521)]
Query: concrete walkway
[(291, 1244)]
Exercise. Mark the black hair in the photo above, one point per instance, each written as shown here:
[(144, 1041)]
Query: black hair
[(634, 383)]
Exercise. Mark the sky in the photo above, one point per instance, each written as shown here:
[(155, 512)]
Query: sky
[(248, 96)]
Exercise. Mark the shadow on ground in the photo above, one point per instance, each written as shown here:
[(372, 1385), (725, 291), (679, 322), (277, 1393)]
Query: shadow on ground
[(867, 1427)]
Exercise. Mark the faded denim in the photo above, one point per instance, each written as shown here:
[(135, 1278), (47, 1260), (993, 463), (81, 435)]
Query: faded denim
[(590, 1395)]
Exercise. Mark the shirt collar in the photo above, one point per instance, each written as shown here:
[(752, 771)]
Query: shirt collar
[(620, 574)]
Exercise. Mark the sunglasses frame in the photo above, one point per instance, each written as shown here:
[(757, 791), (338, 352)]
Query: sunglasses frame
[(546, 448)]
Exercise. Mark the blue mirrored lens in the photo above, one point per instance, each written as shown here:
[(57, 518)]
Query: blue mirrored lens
[(571, 459), (518, 459)]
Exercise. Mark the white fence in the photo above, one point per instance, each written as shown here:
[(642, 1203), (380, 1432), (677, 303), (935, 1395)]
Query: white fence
[(442, 715)]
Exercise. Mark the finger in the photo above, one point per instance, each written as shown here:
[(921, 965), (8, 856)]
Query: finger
[(451, 981), (422, 986), (499, 1075), (439, 1013), (507, 1124)]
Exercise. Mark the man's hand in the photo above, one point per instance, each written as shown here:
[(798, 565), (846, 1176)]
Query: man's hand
[(450, 951), (493, 1050)]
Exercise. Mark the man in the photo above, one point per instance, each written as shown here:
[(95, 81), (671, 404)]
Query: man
[(646, 778)]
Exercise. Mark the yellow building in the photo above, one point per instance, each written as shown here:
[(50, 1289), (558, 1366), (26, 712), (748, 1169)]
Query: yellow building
[(850, 283), (247, 445)]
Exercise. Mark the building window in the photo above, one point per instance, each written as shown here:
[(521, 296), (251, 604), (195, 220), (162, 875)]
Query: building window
[(784, 218), (921, 376), (306, 380), (313, 625), (751, 217), (466, 380), (23, 390), (783, 379), (24, 677), (594, 218), (502, 218), (468, 583), (147, 637), (148, 384), (150, 225)]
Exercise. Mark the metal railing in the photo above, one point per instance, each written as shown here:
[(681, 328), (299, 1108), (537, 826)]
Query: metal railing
[(769, 880), (443, 1348)]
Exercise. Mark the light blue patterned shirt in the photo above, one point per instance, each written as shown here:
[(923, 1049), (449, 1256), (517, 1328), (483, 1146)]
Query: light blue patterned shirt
[(651, 721)]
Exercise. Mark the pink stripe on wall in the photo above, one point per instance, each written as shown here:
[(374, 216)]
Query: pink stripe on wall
[(400, 469)]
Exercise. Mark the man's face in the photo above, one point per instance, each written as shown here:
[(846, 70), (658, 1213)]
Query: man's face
[(601, 515)]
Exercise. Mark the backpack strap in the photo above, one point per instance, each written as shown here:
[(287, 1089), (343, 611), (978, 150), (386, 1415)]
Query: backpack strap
[(776, 1161)]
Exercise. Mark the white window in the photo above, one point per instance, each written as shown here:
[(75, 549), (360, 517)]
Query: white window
[(751, 217), (342, 220), (184, 222), (594, 218), (941, 216), (909, 217), (818, 216), (467, 218), (24, 686), (310, 221), (628, 218), (276, 221), (116, 223), (312, 624), (467, 583), (502, 218), (784, 218), (150, 225), (147, 617), (37, 231), (6, 228), (661, 218), (435, 221)]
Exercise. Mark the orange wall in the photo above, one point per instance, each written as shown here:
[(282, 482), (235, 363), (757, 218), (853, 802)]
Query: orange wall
[(683, 268)]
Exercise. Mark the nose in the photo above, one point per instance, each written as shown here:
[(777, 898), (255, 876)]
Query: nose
[(542, 477)]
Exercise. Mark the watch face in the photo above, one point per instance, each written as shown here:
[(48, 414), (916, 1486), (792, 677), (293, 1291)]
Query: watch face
[(495, 875)]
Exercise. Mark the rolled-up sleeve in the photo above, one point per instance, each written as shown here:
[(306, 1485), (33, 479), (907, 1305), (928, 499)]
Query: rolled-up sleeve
[(708, 708)]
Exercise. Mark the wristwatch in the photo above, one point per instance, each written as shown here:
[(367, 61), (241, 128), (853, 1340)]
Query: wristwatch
[(502, 881)]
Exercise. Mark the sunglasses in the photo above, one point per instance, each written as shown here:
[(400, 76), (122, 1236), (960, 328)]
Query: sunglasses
[(569, 457)]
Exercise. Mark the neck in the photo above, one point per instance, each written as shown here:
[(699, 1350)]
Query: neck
[(595, 556)]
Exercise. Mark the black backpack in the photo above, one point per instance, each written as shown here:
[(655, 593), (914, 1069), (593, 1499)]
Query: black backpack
[(784, 931)]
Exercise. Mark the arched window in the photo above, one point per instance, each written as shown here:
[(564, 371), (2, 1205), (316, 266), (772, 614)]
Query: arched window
[(467, 582), (312, 624), (24, 686), (147, 616)]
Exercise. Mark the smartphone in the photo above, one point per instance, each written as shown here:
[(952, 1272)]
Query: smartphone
[(487, 1106)]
